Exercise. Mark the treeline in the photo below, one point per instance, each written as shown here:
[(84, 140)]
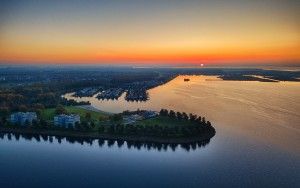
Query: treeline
[(184, 116), (156, 130), (41, 124), (34, 97), (33, 90), (197, 126), (190, 125)]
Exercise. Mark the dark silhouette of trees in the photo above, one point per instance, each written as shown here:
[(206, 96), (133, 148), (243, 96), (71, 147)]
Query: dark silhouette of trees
[(163, 112), (88, 116), (35, 123), (101, 129), (60, 110), (84, 126), (186, 126), (119, 128), (43, 123), (92, 124), (70, 126), (110, 129), (116, 117), (192, 117), (179, 115), (185, 116), (4, 111), (23, 108), (198, 125), (77, 126), (3, 120), (172, 114)]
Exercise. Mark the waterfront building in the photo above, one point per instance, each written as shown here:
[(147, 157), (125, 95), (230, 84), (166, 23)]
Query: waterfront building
[(131, 119), (23, 117), (149, 114), (66, 120), (138, 116)]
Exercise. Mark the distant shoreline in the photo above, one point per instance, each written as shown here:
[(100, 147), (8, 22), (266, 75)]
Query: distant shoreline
[(94, 135)]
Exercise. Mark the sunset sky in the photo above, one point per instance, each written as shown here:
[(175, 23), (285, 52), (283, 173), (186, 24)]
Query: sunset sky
[(142, 31)]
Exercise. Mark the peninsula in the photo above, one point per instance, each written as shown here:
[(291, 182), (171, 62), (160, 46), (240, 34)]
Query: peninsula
[(166, 126)]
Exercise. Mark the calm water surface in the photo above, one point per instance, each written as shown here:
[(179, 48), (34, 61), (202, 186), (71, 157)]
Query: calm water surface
[(256, 144)]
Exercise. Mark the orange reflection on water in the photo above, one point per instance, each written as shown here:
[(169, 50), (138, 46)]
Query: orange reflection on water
[(264, 111)]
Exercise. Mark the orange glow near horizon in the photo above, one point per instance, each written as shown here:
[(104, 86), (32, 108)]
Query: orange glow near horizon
[(156, 33), (92, 56)]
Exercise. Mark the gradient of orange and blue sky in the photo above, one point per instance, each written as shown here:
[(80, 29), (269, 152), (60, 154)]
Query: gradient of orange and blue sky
[(149, 31)]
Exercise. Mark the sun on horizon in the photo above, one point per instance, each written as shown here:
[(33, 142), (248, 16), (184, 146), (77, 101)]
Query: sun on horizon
[(142, 32)]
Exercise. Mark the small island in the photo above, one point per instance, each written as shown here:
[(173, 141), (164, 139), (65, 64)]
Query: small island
[(165, 126)]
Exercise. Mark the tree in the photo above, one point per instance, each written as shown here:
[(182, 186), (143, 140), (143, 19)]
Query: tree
[(179, 115), (34, 123), (88, 116), (192, 117), (3, 120), (199, 120), (120, 128), (43, 123), (116, 117), (84, 126), (111, 129), (23, 108), (185, 116), (208, 123), (101, 128), (38, 111), (4, 111), (93, 124), (60, 110), (38, 106), (163, 112), (172, 114), (77, 126)]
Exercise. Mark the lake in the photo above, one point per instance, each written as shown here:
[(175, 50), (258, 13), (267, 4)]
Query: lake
[(256, 143)]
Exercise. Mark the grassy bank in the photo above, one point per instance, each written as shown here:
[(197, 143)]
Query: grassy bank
[(164, 128), (49, 113)]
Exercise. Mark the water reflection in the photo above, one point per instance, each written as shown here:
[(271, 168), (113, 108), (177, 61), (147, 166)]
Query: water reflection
[(264, 111), (105, 142)]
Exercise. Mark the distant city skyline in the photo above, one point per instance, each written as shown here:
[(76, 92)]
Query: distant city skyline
[(150, 32)]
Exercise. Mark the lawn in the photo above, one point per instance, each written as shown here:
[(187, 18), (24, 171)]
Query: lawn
[(164, 121), (49, 113)]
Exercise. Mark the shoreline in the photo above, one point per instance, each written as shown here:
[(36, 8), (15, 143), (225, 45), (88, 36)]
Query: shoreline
[(94, 135)]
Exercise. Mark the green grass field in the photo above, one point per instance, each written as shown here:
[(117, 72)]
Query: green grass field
[(49, 113), (163, 121)]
